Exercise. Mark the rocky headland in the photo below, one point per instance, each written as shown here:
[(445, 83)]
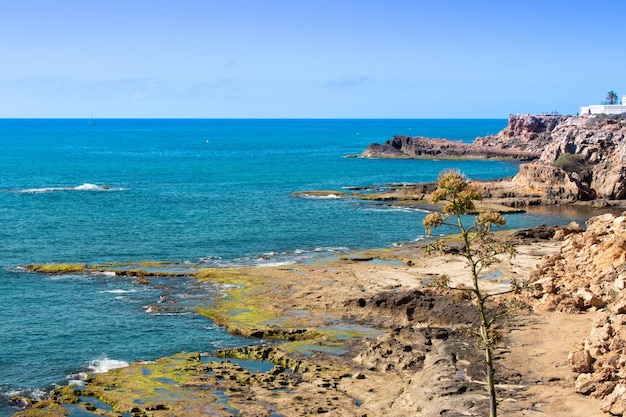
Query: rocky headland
[(524, 139), (572, 160)]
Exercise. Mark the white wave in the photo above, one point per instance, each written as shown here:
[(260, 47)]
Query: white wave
[(38, 190), (331, 249), (117, 291), (273, 258), (417, 239), (210, 259), (100, 366), (320, 196), (87, 187), (78, 378), (403, 209), (327, 197), (35, 394), (228, 286), (76, 382), (79, 375), (38, 394), (83, 187), (279, 263), (105, 273)]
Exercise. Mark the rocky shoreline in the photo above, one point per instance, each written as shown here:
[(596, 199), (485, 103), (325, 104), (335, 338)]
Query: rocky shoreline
[(366, 336)]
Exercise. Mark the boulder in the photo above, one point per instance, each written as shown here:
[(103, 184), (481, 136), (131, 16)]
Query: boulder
[(615, 403), (579, 359)]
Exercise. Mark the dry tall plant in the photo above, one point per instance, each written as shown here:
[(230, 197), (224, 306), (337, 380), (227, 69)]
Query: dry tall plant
[(482, 249)]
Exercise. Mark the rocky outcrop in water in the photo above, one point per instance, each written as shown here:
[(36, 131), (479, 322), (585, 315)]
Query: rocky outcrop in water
[(524, 138), (420, 147), (589, 275)]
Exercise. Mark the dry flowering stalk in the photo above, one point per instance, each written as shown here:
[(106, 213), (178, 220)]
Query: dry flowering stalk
[(482, 249)]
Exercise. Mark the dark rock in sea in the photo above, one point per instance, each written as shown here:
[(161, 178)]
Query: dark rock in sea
[(428, 148), (524, 138)]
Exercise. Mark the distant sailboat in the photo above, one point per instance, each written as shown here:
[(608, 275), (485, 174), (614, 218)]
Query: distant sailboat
[(91, 121)]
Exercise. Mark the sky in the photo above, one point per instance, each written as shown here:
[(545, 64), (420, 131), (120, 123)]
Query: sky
[(307, 59)]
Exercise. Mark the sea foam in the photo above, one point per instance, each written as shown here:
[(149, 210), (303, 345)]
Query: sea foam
[(100, 366), (82, 187)]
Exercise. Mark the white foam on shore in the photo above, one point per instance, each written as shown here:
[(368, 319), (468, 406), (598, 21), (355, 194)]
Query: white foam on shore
[(118, 291), (36, 394), (100, 366), (273, 258), (405, 209), (320, 197)]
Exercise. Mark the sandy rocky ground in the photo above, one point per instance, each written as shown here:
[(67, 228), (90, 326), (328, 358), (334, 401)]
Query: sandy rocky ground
[(428, 366), (564, 358), (425, 365)]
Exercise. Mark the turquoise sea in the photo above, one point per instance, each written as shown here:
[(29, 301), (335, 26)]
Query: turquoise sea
[(192, 192)]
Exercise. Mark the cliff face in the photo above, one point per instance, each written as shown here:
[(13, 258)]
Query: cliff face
[(589, 154), (524, 138), (530, 133)]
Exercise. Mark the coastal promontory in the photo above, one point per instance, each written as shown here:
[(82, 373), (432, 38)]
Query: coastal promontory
[(524, 138), (570, 159)]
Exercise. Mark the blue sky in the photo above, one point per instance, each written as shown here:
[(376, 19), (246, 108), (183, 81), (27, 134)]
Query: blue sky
[(309, 59)]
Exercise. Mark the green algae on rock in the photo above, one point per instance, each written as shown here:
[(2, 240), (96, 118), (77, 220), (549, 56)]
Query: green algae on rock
[(53, 268), (246, 308), (176, 385), (44, 408)]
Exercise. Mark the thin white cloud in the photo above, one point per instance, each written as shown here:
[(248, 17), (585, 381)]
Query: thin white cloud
[(349, 82)]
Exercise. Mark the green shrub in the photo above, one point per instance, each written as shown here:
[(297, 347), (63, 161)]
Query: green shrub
[(571, 162)]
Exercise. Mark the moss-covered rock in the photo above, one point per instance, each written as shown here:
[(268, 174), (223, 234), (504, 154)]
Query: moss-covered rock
[(150, 386), (45, 408), (53, 268), (66, 395)]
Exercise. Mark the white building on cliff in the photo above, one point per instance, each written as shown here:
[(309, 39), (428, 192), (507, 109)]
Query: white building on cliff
[(604, 108)]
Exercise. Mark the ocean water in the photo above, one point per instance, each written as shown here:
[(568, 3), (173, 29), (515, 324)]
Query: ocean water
[(191, 192)]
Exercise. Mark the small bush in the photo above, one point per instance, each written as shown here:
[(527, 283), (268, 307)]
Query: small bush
[(571, 162)]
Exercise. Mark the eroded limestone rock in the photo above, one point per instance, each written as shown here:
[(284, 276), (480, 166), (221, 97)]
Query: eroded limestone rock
[(588, 275)]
